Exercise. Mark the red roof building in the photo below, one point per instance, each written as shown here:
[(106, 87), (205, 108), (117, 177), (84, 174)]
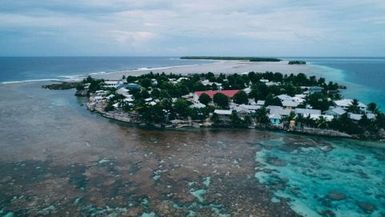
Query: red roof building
[(211, 93)]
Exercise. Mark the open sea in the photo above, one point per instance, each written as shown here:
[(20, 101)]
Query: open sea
[(58, 159)]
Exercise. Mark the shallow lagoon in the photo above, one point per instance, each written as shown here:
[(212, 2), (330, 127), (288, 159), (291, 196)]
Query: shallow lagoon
[(324, 178), (60, 160)]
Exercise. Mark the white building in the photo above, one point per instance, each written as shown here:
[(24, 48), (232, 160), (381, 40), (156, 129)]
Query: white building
[(222, 112), (335, 111), (289, 104), (345, 103), (307, 112), (278, 110), (197, 105), (112, 84), (261, 102), (247, 108)]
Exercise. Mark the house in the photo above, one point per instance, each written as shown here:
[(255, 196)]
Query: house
[(355, 117), (289, 104), (247, 108), (252, 102), (211, 93), (278, 110), (222, 112), (275, 119), (261, 102), (335, 111), (197, 105), (123, 91), (223, 115), (307, 112), (325, 117), (283, 97), (300, 98), (112, 84), (346, 103)]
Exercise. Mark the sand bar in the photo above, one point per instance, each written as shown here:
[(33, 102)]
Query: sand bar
[(228, 66)]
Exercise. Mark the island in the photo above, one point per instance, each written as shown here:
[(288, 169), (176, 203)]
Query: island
[(297, 62), (273, 101), (251, 59)]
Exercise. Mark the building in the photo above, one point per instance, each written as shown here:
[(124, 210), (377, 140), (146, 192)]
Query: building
[(223, 115), (112, 84), (211, 93), (247, 108), (284, 97), (289, 104), (275, 119), (197, 105), (278, 110), (307, 112), (355, 117), (261, 102), (325, 117), (346, 103), (335, 111), (223, 112)]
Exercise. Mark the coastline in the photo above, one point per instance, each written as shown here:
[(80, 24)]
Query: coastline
[(220, 66)]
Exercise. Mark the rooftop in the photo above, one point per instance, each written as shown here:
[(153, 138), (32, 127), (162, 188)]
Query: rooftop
[(222, 112), (211, 93)]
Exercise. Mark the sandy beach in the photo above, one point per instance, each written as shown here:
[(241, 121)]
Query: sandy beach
[(228, 66)]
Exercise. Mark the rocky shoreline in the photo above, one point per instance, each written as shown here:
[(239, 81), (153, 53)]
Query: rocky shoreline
[(133, 118)]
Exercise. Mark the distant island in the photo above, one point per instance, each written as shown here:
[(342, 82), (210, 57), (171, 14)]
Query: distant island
[(251, 59), (293, 103), (297, 62)]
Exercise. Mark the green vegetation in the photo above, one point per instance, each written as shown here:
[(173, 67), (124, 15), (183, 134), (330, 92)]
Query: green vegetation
[(221, 100), (160, 99), (251, 59), (204, 99), (297, 62), (63, 86)]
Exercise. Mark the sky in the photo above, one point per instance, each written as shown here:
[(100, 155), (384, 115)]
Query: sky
[(199, 27)]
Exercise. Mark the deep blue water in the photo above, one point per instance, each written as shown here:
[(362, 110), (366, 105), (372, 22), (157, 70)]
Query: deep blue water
[(365, 77), (35, 68)]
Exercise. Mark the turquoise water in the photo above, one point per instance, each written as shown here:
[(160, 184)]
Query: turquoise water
[(324, 177)]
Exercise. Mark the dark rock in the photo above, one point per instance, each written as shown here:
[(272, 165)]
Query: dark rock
[(366, 207), (328, 213), (276, 161), (335, 195)]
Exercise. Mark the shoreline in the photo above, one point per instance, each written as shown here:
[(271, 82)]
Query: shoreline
[(216, 67), (124, 118)]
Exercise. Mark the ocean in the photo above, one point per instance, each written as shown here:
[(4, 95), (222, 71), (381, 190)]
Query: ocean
[(59, 159), (364, 77), (15, 69)]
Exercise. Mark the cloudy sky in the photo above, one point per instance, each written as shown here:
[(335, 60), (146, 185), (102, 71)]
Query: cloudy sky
[(199, 27)]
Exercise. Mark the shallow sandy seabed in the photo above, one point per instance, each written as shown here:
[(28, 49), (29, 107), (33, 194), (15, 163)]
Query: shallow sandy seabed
[(58, 159)]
